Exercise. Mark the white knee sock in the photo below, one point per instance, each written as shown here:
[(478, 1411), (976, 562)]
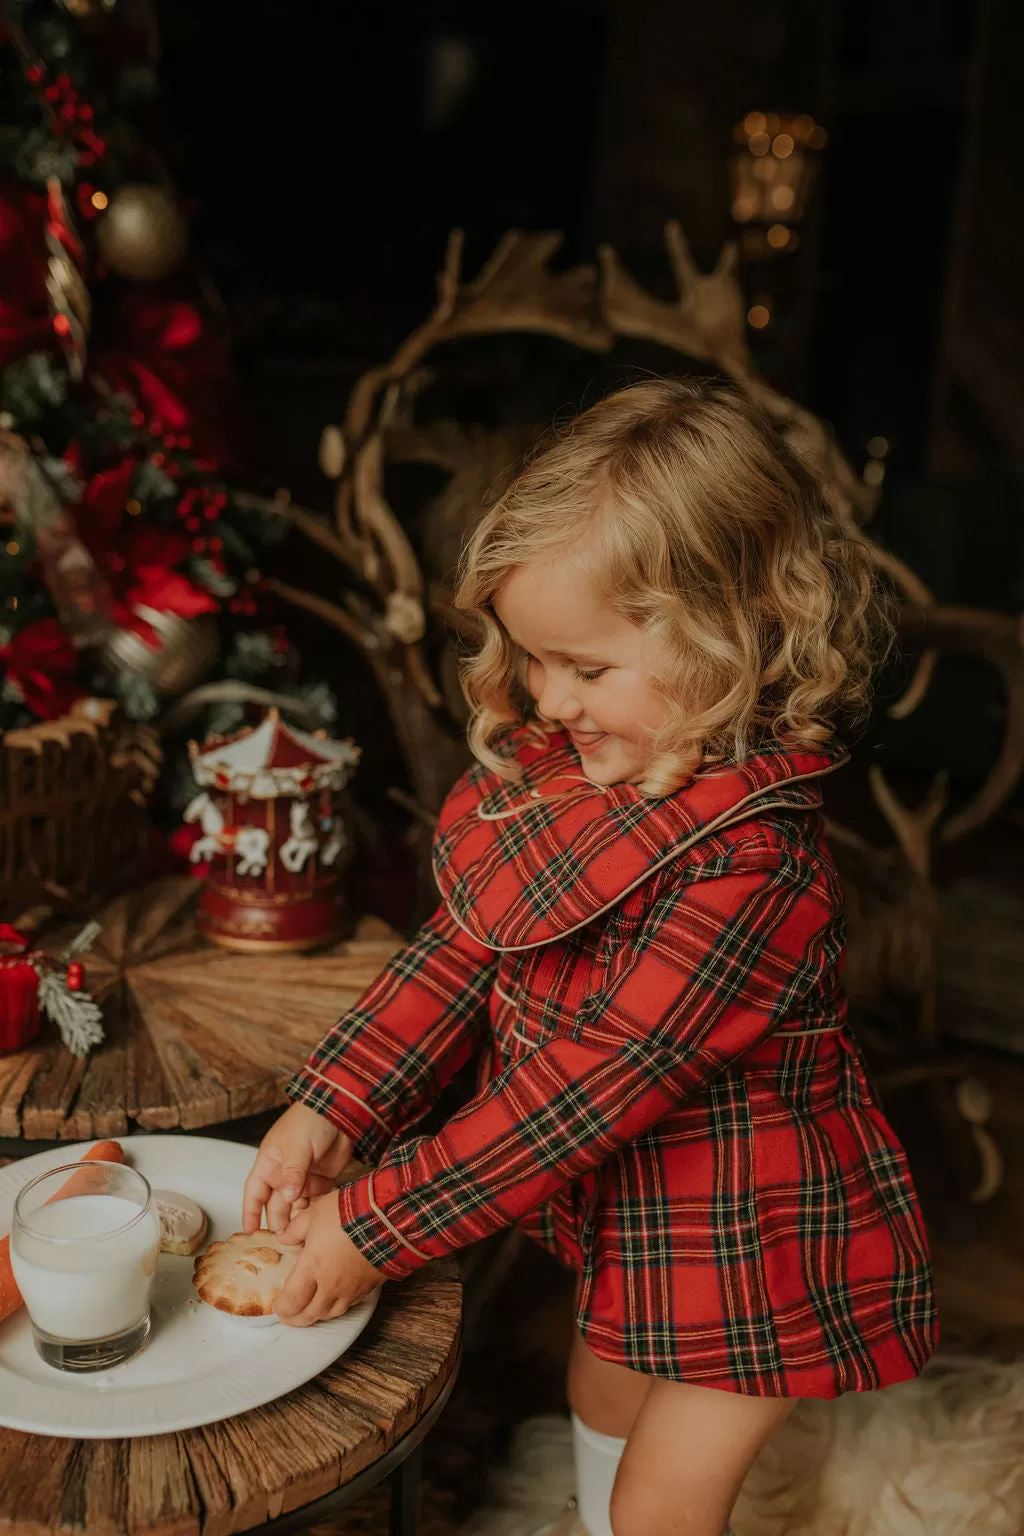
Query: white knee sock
[(597, 1460)]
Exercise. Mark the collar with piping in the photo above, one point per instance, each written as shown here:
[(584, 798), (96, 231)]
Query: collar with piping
[(521, 864)]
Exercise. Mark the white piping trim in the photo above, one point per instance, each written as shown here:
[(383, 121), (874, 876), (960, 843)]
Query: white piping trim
[(802, 1034), (504, 996), (392, 1229), (735, 813), (337, 1088)]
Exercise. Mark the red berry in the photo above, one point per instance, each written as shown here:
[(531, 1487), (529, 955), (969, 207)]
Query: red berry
[(34, 74), (76, 976), (138, 418)]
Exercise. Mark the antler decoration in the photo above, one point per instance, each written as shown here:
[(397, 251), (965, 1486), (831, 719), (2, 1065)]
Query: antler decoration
[(998, 640), (709, 320)]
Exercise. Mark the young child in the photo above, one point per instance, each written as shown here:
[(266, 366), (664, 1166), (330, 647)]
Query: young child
[(641, 936)]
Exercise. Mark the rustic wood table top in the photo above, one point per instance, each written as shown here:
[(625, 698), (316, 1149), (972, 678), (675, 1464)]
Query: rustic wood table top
[(195, 1035), (260, 1466)]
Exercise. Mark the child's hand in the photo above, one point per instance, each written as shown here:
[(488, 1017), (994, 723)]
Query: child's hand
[(299, 1158), (330, 1274)]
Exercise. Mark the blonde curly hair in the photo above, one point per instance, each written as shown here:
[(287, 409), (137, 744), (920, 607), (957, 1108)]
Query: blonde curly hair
[(702, 528)]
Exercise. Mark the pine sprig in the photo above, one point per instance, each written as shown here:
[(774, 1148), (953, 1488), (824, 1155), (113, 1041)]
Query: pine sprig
[(78, 1018), (82, 942)]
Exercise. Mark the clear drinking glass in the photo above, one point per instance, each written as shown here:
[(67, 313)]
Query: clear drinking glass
[(84, 1246)]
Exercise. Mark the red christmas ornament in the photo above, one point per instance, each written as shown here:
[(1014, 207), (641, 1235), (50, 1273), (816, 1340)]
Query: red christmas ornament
[(19, 991), (76, 976)]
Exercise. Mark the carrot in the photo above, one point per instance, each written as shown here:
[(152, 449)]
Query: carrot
[(104, 1152)]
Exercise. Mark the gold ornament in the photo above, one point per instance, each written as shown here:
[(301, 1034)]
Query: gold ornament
[(184, 654), (143, 234)]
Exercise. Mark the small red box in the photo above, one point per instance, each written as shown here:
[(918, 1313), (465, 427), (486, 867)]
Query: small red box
[(19, 991)]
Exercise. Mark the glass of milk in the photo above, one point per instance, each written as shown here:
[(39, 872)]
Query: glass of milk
[(84, 1246)]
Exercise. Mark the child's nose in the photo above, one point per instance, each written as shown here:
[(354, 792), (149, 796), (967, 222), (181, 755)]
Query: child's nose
[(557, 701)]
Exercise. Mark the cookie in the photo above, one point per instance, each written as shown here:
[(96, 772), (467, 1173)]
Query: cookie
[(183, 1223), (244, 1274)]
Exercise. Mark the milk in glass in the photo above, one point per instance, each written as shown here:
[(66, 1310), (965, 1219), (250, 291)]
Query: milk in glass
[(95, 1280)]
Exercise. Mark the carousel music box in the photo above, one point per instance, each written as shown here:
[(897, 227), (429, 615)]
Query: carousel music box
[(272, 834)]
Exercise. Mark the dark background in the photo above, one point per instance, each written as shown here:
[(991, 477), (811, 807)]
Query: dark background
[(328, 148)]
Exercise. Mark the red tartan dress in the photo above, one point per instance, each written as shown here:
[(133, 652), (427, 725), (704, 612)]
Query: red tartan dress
[(669, 1098)]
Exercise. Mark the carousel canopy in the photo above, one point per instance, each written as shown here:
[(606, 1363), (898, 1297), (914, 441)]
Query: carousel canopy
[(274, 759)]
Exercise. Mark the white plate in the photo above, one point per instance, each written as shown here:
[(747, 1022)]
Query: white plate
[(199, 1364)]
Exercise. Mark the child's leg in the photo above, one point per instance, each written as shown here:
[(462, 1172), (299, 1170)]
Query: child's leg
[(680, 1463), (605, 1400), (687, 1455)]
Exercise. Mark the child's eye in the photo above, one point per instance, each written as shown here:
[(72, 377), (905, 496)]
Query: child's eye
[(591, 675)]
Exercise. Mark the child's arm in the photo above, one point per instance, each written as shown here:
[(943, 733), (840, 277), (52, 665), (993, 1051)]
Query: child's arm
[(382, 1065), (711, 974)]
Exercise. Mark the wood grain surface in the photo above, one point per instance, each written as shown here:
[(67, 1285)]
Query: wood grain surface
[(228, 1477), (196, 1035)]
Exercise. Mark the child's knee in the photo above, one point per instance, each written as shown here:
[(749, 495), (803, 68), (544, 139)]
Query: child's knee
[(643, 1507)]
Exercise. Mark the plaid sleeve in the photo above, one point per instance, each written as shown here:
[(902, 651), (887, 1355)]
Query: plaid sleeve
[(716, 966), (381, 1066)]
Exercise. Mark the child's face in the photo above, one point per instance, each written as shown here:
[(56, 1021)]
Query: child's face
[(588, 668)]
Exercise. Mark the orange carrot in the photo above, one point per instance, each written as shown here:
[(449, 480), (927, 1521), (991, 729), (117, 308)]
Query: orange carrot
[(104, 1152)]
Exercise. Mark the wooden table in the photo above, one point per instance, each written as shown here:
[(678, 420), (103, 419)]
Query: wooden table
[(280, 1468), (196, 1035)]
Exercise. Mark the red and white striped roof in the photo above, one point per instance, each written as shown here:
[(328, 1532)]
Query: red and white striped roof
[(274, 759)]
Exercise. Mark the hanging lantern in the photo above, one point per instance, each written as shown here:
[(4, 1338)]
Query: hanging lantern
[(272, 834), (772, 173)]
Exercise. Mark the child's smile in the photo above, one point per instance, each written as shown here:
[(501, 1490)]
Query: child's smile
[(588, 668)]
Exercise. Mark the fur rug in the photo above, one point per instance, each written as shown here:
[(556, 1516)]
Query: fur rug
[(940, 1456)]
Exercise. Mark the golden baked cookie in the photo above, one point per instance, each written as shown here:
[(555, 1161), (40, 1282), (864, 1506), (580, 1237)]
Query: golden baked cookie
[(244, 1274), (183, 1223)]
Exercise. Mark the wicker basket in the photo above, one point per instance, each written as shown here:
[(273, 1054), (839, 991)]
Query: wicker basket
[(73, 798)]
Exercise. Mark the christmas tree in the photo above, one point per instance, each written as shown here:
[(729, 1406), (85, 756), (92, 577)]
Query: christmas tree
[(130, 562)]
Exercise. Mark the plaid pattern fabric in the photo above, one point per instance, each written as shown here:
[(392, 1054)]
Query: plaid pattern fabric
[(734, 1202)]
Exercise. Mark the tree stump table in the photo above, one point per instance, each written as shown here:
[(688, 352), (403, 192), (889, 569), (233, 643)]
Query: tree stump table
[(196, 1036), (276, 1469)]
